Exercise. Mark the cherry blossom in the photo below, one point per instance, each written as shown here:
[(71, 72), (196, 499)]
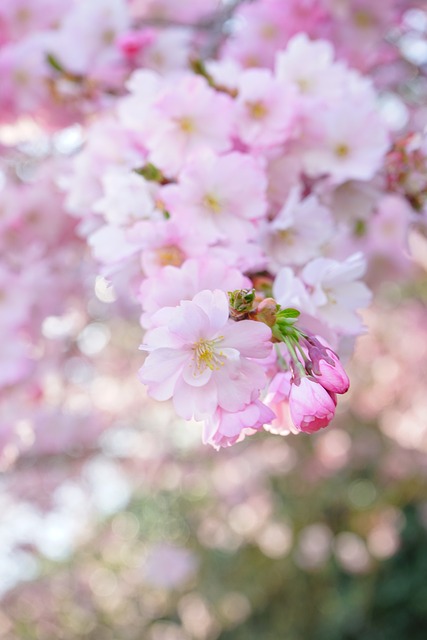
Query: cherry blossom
[(266, 113), (172, 284), (336, 291), (223, 195), (237, 148), (299, 232), (225, 428), (231, 183), (202, 360), (183, 119)]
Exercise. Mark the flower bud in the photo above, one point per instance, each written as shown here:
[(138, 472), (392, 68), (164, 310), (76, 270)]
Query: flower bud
[(241, 302), (131, 43), (311, 406), (266, 312), (332, 376)]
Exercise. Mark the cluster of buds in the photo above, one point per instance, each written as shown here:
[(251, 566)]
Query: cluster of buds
[(406, 169), (315, 373)]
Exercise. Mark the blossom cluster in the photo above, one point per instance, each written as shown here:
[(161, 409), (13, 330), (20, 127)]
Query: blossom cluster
[(239, 172), (226, 147), (42, 276), (222, 179), (214, 366), (46, 76)]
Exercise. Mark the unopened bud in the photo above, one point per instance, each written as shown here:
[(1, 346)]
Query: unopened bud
[(241, 302), (267, 312)]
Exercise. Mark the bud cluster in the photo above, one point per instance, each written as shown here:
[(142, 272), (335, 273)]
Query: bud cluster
[(316, 372)]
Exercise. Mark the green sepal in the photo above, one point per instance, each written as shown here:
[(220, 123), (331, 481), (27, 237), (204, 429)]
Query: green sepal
[(360, 228), (198, 66), (150, 172), (241, 300)]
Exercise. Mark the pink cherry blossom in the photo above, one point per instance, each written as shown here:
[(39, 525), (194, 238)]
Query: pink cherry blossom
[(127, 197), (299, 232), (111, 246), (23, 17), (267, 125), (164, 242), (184, 118), (225, 428), (172, 284), (290, 291), (168, 52), (169, 9), (255, 44), (350, 140), (336, 291), (131, 43), (277, 399), (307, 67), (266, 113), (221, 196), (96, 26), (203, 360)]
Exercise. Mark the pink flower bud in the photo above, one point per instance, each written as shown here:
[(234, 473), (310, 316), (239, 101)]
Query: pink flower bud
[(132, 42), (267, 312), (332, 376), (311, 406)]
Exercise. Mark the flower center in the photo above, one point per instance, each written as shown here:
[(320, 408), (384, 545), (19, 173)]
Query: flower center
[(212, 203), (257, 110), (330, 294), (342, 150), (21, 77), (269, 31), (363, 19), (287, 236), (23, 15), (170, 255), (304, 84), (108, 36), (186, 124), (206, 355)]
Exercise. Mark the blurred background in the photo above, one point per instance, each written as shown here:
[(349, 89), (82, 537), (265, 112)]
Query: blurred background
[(116, 522)]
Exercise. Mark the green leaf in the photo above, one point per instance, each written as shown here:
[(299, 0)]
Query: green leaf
[(289, 313), (54, 63)]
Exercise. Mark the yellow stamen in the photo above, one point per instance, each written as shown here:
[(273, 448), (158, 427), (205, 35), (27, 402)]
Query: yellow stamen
[(287, 236), (170, 255), (108, 36), (186, 125), (330, 295), (269, 31), (23, 15), (206, 355), (303, 84), (363, 19), (211, 202), (342, 150), (21, 77), (257, 110)]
